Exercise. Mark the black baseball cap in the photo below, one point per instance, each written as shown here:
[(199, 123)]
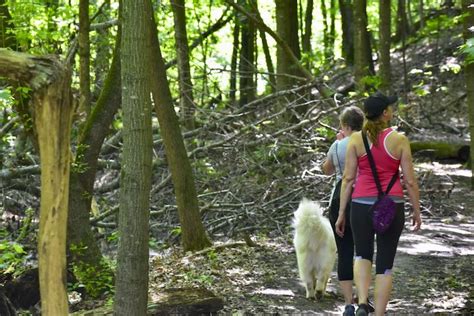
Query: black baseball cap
[(375, 104)]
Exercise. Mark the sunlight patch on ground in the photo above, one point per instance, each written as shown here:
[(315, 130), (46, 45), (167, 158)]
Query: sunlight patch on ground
[(443, 169), (440, 239), (276, 292)]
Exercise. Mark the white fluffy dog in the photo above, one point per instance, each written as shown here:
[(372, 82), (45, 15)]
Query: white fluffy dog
[(315, 247)]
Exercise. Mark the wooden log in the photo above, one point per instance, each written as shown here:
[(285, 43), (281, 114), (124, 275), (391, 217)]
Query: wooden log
[(439, 150), (179, 301)]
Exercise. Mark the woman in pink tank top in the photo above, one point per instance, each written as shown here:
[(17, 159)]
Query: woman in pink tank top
[(391, 150)]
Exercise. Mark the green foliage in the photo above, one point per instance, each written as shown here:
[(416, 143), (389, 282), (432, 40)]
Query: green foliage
[(371, 82), (12, 256), (176, 231), (203, 279), (467, 50), (6, 99), (96, 280), (443, 22)]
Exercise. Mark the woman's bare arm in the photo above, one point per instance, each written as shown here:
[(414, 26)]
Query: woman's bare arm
[(348, 178), (328, 167), (410, 181)]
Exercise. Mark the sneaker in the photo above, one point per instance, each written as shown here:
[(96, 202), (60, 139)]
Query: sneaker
[(363, 310), (349, 310)]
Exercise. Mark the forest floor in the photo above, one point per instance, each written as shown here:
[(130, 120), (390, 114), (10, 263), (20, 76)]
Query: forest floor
[(432, 273)]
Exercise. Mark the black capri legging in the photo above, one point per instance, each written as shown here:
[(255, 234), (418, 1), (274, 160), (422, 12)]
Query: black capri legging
[(363, 233), (345, 252)]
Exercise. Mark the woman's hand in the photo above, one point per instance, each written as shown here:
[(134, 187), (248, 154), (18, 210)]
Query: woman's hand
[(340, 225), (416, 221), (340, 135)]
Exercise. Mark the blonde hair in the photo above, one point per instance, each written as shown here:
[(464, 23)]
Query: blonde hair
[(373, 127)]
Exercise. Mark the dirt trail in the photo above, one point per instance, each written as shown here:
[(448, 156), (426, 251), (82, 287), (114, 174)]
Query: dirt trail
[(433, 268)]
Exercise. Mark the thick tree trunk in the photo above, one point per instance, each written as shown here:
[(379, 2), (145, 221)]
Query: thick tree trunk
[(324, 13), (347, 21), (193, 236), (469, 75), (50, 82), (402, 21), (81, 189), (308, 23), (362, 51), (384, 35), (287, 28), (186, 98), (131, 291), (247, 58)]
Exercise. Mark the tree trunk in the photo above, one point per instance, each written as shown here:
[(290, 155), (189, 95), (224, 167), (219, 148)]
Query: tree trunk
[(50, 82), (287, 28), (6, 39), (269, 62), (402, 21), (186, 98), (308, 22), (193, 234), (332, 28), (384, 35), (103, 50), (131, 292), (84, 57), (247, 57), (347, 18), (324, 13), (469, 75), (81, 189), (233, 62), (421, 12), (362, 51)]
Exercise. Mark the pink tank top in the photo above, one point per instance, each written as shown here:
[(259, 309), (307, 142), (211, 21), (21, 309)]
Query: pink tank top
[(386, 166)]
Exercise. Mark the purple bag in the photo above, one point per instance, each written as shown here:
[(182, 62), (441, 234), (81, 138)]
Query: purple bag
[(383, 212)]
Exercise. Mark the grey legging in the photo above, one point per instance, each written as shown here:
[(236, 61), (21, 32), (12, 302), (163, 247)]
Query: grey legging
[(387, 242)]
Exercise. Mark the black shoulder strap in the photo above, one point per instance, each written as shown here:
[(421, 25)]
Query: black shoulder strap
[(374, 170)]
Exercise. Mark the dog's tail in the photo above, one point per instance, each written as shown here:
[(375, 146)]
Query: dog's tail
[(308, 212)]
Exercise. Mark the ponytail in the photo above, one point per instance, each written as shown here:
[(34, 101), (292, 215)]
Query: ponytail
[(372, 128)]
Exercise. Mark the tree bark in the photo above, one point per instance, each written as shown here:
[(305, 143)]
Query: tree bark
[(84, 57), (233, 62), (6, 40), (81, 189), (50, 82), (186, 99), (131, 291), (193, 234), (287, 28), (347, 18), (402, 21), (362, 51), (247, 57), (308, 22), (469, 77), (384, 35)]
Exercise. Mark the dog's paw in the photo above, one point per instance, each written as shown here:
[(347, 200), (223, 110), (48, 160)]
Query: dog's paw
[(319, 295)]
